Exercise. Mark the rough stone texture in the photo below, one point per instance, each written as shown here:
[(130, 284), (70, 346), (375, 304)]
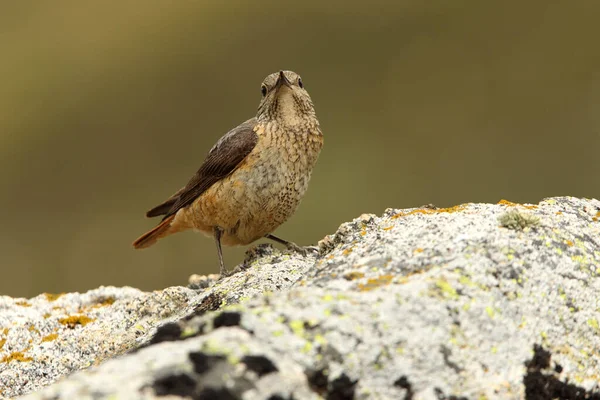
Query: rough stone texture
[(52, 335), (477, 301)]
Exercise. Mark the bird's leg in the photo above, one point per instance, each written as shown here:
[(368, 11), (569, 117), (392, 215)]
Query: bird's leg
[(290, 245), (218, 231)]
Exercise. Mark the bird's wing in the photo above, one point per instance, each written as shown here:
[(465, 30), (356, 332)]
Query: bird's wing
[(165, 206), (222, 160)]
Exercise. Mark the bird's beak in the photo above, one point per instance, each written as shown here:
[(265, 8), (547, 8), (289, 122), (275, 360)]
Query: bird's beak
[(282, 81)]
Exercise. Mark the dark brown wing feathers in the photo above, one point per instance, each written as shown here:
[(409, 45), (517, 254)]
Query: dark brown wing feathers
[(165, 206), (222, 160)]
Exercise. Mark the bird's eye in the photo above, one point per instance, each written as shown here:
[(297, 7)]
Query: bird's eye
[(300, 83), (263, 90)]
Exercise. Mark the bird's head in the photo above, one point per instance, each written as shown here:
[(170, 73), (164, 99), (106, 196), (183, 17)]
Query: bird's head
[(284, 99)]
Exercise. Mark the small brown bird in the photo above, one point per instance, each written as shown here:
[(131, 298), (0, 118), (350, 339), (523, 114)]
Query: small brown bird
[(253, 179)]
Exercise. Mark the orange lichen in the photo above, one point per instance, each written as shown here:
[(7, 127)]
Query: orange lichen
[(32, 328), (350, 276), (16, 356), (511, 204), (453, 209), (52, 296), (23, 303), (418, 250), (569, 243), (596, 217), (387, 228), (374, 283), (347, 251), (2, 341), (50, 337), (104, 301), (75, 320)]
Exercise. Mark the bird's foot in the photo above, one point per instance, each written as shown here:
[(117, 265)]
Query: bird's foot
[(293, 246), (223, 273), (304, 250)]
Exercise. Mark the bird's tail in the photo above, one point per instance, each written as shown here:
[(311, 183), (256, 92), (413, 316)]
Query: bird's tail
[(149, 238)]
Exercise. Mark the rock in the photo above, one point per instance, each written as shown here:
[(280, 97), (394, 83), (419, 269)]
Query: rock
[(52, 335), (474, 301)]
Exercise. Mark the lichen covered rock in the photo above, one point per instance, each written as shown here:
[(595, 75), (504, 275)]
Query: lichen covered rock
[(474, 301)]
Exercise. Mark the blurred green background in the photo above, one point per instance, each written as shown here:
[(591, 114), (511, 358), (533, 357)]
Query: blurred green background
[(108, 107)]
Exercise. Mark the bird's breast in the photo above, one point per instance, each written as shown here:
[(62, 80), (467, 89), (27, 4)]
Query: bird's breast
[(265, 189), (281, 163)]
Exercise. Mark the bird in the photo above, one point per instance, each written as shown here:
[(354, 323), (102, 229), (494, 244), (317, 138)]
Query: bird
[(253, 179)]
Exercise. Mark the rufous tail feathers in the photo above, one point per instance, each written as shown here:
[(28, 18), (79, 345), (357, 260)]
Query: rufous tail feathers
[(149, 238)]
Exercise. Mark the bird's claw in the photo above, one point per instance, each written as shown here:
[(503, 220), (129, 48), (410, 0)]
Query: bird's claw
[(303, 250)]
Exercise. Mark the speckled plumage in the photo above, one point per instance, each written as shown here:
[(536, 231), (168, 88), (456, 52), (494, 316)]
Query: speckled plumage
[(264, 191), (255, 176)]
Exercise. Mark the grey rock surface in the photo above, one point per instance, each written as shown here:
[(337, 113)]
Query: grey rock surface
[(477, 301), (47, 337)]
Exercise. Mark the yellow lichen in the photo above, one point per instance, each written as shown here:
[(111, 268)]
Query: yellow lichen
[(350, 276), (23, 303), (466, 281), (511, 204), (446, 289), (50, 337), (5, 331), (453, 209), (320, 339), (523, 323), (297, 327), (307, 347), (418, 250), (75, 320), (16, 356), (2, 341), (374, 283), (52, 296), (105, 301), (328, 297)]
